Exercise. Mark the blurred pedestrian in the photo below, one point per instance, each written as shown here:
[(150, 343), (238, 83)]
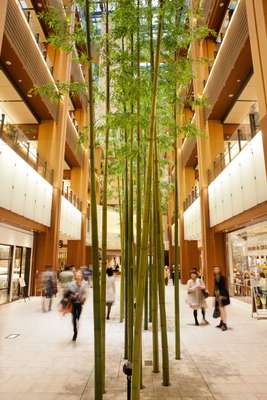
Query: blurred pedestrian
[(166, 275), (77, 290), (110, 291), (205, 294), (222, 297), (196, 299), (66, 276), (49, 287)]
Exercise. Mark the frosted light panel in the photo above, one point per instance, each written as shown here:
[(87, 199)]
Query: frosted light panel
[(192, 222), (241, 185), (70, 220), (22, 190)]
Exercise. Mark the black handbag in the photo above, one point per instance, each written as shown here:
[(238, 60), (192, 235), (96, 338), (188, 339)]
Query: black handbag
[(205, 293)]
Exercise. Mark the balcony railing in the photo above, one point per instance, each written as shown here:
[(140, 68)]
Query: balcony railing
[(33, 22), (240, 138), (193, 195), (18, 141), (71, 196)]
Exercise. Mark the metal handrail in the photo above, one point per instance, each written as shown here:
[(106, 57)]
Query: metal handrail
[(19, 142), (223, 159), (71, 197)]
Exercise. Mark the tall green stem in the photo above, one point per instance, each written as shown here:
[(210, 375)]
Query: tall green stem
[(104, 209), (94, 228), (161, 283), (142, 269)]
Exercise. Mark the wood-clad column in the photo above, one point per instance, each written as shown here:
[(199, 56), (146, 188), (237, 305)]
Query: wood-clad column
[(79, 183), (212, 244), (189, 255), (2, 20), (257, 24), (51, 147)]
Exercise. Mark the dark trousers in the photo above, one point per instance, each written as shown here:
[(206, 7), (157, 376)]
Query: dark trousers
[(76, 313)]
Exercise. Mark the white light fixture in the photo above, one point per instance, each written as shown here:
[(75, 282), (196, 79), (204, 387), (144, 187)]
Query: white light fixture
[(221, 4), (20, 80), (230, 95), (29, 95), (8, 62)]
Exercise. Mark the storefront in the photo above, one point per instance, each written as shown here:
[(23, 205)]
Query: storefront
[(247, 259), (15, 262)]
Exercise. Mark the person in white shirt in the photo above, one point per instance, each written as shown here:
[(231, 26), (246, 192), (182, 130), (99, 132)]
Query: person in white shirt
[(110, 291)]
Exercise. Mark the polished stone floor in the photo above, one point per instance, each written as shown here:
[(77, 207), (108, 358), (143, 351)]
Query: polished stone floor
[(42, 363)]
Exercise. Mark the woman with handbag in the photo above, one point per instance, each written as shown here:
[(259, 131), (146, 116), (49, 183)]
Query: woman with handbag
[(222, 298), (196, 299)]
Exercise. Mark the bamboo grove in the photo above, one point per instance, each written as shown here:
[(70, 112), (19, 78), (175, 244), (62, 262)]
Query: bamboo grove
[(140, 80)]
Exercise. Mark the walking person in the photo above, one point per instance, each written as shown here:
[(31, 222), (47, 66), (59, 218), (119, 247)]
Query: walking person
[(196, 299), (110, 291), (48, 287), (222, 297), (77, 290)]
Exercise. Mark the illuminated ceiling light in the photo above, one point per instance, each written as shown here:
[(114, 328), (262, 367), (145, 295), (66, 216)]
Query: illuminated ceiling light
[(230, 95), (221, 4), (39, 4), (238, 80), (20, 80), (8, 62), (29, 95)]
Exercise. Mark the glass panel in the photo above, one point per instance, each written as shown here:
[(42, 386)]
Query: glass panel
[(16, 273), (5, 260)]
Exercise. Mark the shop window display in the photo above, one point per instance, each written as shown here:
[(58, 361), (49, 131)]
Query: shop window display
[(247, 259)]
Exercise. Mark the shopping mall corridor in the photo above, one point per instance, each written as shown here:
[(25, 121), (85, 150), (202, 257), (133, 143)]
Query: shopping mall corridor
[(42, 363)]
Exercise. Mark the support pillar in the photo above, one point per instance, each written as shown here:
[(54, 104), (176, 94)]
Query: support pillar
[(2, 21), (257, 24), (212, 243)]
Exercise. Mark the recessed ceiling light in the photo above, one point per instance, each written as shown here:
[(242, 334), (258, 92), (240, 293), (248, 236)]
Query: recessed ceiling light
[(20, 80), (29, 95), (221, 4), (8, 62), (39, 4), (238, 80), (230, 95)]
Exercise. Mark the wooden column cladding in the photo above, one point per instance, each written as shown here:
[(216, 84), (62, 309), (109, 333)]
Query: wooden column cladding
[(2, 20), (257, 23)]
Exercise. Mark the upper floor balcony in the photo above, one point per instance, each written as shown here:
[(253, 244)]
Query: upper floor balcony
[(24, 58), (15, 136), (74, 149), (232, 63)]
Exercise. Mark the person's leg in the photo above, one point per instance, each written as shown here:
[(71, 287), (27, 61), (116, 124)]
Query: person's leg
[(203, 311), (195, 317), (74, 321), (223, 318), (50, 304), (109, 305)]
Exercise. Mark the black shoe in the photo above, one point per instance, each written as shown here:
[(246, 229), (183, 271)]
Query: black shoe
[(220, 325), (224, 327), (74, 337)]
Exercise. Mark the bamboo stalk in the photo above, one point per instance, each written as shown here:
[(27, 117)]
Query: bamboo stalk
[(161, 283), (154, 287), (95, 255), (145, 231), (122, 254), (104, 209)]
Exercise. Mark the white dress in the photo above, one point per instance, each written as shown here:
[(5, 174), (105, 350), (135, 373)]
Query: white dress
[(195, 297), (110, 289)]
